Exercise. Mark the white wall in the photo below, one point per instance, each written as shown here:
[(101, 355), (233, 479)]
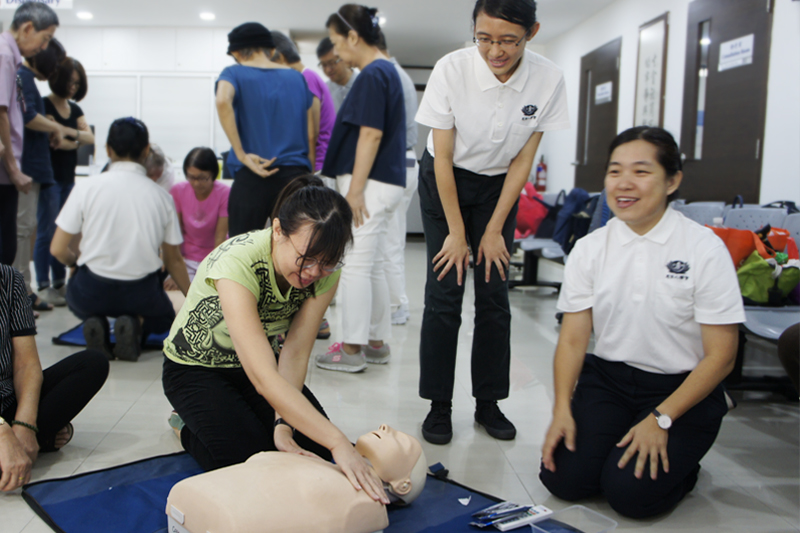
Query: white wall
[(781, 164)]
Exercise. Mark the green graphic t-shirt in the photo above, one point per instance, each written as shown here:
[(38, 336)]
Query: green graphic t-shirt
[(199, 335)]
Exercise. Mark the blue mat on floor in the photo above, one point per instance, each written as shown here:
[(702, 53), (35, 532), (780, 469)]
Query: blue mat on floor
[(74, 337), (131, 499)]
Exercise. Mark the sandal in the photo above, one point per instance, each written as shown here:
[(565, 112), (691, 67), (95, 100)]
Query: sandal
[(70, 433), (41, 306)]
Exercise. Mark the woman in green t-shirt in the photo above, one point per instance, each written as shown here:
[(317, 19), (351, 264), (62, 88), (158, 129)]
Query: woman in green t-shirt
[(236, 389)]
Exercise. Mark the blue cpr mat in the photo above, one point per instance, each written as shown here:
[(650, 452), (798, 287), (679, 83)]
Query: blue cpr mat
[(74, 337), (131, 498)]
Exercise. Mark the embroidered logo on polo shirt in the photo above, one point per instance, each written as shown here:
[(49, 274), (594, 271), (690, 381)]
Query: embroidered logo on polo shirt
[(529, 111), (677, 269)]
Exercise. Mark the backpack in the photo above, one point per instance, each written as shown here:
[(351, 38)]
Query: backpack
[(530, 213), (570, 217)]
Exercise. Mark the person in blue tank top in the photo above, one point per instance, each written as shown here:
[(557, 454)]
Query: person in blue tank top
[(264, 109)]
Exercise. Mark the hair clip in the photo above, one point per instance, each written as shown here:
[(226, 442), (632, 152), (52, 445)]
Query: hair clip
[(375, 21), (134, 121)]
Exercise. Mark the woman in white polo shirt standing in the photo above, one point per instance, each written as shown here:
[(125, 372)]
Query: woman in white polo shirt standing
[(661, 295), (487, 107)]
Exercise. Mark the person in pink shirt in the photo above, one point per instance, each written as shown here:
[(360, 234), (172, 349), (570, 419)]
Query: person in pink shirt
[(202, 205)]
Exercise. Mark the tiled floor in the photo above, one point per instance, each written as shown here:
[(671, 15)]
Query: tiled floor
[(749, 481)]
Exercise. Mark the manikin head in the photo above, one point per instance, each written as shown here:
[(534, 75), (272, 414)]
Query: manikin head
[(398, 460)]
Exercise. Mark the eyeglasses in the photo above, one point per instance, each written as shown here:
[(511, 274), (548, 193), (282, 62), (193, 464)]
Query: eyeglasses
[(505, 44), (330, 63), (199, 179), (309, 262)]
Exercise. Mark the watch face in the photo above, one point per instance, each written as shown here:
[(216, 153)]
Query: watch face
[(664, 422)]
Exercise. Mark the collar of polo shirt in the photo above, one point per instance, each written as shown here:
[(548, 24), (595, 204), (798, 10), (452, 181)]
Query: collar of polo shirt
[(659, 234), (487, 80)]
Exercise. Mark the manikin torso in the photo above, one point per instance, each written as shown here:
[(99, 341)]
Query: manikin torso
[(276, 492)]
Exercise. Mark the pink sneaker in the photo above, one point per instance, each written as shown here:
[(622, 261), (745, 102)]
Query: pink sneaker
[(337, 359)]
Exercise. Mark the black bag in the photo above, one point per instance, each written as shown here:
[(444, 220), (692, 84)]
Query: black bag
[(548, 224), (580, 222), (788, 205)]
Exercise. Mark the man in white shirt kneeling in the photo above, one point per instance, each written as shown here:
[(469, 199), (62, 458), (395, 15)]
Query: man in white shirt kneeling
[(123, 218)]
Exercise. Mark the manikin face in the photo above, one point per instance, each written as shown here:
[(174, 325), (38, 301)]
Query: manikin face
[(637, 185), (334, 68), (344, 47), (502, 57), (393, 455), (31, 42), (202, 182)]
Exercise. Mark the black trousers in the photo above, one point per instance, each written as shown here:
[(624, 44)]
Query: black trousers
[(441, 320), (66, 389), (609, 399), (227, 420), (8, 223), (89, 294), (252, 197)]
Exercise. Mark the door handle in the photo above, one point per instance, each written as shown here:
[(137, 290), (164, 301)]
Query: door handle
[(576, 163)]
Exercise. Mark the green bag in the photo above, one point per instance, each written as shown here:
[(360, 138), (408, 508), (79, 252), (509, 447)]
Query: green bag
[(755, 278), (788, 280)]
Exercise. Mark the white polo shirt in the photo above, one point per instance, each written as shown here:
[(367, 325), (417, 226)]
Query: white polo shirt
[(650, 293), (493, 120), (123, 217)]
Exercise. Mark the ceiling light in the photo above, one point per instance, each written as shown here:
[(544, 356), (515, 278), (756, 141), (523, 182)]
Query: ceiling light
[(381, 20), (207, 16), (84, 15), (705, 41)]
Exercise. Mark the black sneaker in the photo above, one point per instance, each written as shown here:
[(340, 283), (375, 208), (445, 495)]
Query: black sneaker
[(488, 415), (438, 428), (128, 332), (96, 334)]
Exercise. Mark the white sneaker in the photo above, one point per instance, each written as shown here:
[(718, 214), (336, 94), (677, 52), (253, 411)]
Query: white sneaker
[(51, 296), (337, 359), (401, 316), (378, 355)]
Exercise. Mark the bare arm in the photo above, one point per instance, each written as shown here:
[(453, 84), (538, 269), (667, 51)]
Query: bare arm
[(576, 330), (455, 251), (313, 131), (176, 266), (20, 180), (227, 119), (60, 248), (239, 308), (646, 438), (493, 246), (83, 134), (27, 387), (369, 140), (221, 232)]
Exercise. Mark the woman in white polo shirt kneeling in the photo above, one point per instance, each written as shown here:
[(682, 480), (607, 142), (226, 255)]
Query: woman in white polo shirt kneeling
[(661, 294), (487, 107)]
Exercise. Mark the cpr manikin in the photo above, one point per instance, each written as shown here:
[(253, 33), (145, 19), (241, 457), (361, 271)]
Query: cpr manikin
[(284, 492)]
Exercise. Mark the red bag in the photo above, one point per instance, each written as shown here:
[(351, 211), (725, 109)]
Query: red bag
[(531, 212), (741, 243)]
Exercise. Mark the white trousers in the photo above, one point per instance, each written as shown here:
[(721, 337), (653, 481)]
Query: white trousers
[(363, 292), (396, 239), (26, 227)]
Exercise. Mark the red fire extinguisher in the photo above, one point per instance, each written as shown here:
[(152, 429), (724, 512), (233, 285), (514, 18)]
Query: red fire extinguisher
[(541, 176)]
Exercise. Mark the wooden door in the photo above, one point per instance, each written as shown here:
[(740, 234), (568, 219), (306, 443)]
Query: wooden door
[(725, 98), (597, 114)]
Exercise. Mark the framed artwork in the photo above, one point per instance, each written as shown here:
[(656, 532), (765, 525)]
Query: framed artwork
[(651, 72)]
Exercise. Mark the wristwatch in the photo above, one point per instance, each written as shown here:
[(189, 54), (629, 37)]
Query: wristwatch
[(664, 421)]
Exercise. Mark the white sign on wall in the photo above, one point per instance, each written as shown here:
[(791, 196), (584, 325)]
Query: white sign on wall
[(55, 4), (736, 53), (603, 92)]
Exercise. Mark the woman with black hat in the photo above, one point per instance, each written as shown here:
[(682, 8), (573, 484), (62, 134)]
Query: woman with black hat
[(265, 109)]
